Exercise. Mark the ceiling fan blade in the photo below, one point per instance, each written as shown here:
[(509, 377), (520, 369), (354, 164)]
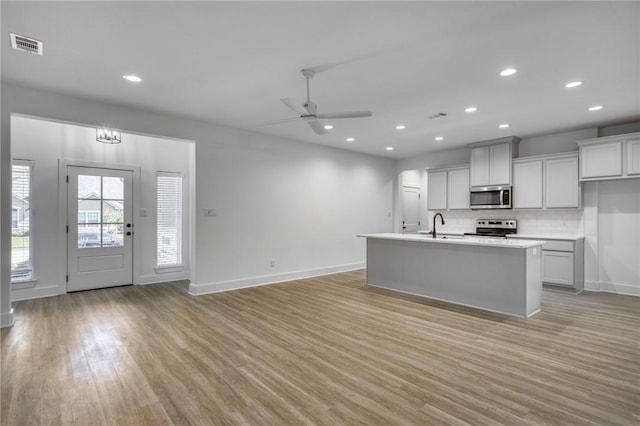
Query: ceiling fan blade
[(283, 120), (352, 114), (317, 127), (297, 107)]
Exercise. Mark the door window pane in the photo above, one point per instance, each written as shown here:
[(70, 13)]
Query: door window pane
[(112, 212), (112, 188), (112, 236), (89, 187)]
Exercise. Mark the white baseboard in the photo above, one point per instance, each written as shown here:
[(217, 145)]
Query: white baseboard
[(162, 278), (617, 288), (18, 294), (6, 320), (199, 289)]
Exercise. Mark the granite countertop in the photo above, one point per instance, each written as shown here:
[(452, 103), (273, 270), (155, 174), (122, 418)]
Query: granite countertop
[(469, 241)]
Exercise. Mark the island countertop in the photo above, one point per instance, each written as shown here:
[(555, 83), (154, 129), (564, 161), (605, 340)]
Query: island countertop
[(469, 241)]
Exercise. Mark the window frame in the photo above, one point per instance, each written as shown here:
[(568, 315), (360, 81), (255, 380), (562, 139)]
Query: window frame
[(170, 267), (31, 165)]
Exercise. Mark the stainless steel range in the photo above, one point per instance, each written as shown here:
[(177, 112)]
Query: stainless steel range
[(494, 227)]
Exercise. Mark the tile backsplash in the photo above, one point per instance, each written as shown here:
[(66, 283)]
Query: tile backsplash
[(539, 222)]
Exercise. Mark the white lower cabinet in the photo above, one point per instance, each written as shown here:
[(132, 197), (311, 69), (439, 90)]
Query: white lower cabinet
[(562, 262), (557, 267)]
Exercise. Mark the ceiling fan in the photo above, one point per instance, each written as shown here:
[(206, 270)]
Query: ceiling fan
[(309, 111)]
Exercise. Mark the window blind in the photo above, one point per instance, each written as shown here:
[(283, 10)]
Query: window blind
[(21, 213), (169, 219)]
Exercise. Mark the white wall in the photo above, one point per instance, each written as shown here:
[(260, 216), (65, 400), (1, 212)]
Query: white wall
[(297, 203), (46, 142), (612, 236), (554, 143)]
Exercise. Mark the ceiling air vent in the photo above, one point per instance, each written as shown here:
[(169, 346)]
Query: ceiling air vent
[(437, 115), (26, 44)]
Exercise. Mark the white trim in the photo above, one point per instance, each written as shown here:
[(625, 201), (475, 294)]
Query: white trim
[(63, 164), (156, 279), (615, 288), (199, 289), (34, 293), (168, 269), (6, 320)]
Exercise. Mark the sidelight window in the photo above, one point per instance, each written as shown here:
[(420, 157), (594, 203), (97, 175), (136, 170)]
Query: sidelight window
[(169, 219), (21, 215)]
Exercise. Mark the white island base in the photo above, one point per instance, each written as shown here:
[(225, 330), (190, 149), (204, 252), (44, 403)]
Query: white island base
[(497, 276)]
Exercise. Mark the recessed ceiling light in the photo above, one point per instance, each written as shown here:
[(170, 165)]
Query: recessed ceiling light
[(573, 84), (596, 108), (439, 138), (132, 78), (471, 109), (400, 127), (350, 139), (389, 148), (328, 127), (508, 71), (504, 125)]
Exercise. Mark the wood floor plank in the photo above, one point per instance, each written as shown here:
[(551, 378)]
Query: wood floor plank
[(320, 351)]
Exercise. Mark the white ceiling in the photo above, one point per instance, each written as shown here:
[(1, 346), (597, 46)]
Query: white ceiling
[(230, 63)]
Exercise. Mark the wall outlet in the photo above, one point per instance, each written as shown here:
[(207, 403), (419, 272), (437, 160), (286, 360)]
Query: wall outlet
[(273, 263), (210, 212)]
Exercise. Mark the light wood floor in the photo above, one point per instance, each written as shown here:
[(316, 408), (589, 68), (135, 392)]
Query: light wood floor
[(317, 351)]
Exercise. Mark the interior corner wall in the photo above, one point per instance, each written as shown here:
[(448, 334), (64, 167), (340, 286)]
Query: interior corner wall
[(298, 204)]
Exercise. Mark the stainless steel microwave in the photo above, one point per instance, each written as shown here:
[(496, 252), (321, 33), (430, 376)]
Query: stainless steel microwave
[(490, 197)]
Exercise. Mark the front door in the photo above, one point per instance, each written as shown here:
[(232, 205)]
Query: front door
[(100, 229)]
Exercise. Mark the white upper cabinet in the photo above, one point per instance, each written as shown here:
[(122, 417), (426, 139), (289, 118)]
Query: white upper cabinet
[(602, 160), (546, 181), (527, 185), (562, 188), (611, 157), (491, 161), (500, 164), (633, 157), (437, 190), (480, 166), (458, 189), (448, 189)]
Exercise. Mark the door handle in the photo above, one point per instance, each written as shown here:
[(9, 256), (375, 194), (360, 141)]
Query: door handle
[(129, 233), (129, 225)]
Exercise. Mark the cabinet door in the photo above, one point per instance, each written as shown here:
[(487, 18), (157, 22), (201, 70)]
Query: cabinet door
[(500, 164), (633, 157), (601, 160), (527, 185), (557, 267), (458, 189), (480, 166), (561, 183), (437, 186)]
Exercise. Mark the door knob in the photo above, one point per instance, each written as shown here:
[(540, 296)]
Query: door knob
[(129, 233), (128, 225)]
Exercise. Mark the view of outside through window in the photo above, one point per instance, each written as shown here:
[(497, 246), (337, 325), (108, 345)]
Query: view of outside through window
[(100, 211), (21, 262), (169, 231)]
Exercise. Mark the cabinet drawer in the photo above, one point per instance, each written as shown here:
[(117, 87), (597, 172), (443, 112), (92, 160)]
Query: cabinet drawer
[(552, 245)]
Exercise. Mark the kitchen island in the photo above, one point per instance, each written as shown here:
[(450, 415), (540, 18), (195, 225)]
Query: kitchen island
[(495, 274)]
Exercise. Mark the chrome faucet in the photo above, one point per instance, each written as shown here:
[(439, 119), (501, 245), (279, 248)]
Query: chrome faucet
[(433, 230)]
